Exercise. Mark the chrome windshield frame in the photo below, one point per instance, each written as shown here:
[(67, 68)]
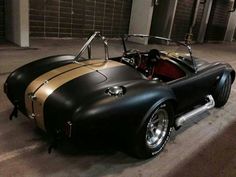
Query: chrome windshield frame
[(126, 36), (87, 46)]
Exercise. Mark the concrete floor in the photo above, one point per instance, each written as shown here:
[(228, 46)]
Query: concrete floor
[(204, 147)]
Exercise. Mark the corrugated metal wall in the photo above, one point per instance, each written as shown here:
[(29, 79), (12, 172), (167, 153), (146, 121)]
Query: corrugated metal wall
[(218, 20), (2, 20), (78, 18), (182, 19)]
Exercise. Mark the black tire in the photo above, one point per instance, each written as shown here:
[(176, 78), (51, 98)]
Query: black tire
[(222, 92), (141, 145)]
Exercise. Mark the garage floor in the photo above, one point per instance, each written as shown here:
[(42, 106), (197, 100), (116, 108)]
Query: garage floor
[(204, 147)]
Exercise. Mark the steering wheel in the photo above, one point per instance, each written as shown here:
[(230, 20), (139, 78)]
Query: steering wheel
[(132, 57)]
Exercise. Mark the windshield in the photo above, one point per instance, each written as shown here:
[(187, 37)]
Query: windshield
[(173, 46), (166, 46)]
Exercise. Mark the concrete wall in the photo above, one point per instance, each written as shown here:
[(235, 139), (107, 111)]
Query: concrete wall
[(231, 32), (204, 20), (231, 27), (163, 17), (17, 22), (140, 20)]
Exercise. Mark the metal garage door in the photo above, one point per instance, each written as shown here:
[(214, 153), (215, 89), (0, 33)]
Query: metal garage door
[(218, 20), (182, 19), (2, 20)]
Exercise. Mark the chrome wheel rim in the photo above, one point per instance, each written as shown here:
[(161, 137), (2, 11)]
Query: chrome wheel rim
[(157, 128)]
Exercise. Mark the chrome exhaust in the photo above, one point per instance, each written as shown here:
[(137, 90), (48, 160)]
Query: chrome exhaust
[(210, 104)]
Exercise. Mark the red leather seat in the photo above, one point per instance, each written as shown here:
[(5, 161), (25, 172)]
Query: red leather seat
[(167, 69)]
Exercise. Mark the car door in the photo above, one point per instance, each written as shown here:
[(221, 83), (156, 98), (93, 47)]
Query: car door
[(194, 87)]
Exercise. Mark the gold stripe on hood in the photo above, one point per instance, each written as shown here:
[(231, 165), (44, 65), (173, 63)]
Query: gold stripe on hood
[(43, 79), (101, 64), (48, 88)]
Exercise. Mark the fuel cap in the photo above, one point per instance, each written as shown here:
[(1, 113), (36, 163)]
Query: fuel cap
[(115, 91)]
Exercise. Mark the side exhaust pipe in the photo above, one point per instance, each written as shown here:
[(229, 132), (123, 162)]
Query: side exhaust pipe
[(210, 104)]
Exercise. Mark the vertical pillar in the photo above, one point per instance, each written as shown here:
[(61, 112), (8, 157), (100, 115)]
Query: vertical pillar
[(171, 17), (205, 19), (163, 19), (231, 27), (17, 22), (141, 18)]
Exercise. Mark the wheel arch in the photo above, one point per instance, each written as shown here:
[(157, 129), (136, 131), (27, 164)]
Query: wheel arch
[(137, 149), (222, 79), (171, 100)]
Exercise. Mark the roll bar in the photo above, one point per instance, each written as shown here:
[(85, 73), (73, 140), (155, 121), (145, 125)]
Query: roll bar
[(87, 46)]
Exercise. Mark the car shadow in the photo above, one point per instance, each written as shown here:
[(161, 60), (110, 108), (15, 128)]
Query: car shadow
[(188, 124), (96, 157), (108, 145)]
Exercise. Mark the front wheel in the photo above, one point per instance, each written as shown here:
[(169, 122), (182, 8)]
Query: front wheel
[(154, 133)]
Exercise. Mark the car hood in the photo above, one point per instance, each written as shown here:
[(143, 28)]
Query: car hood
[(65, 85), (60, 83)]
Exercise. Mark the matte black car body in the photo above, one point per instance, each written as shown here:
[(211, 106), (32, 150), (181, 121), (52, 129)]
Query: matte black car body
[(85, 104)]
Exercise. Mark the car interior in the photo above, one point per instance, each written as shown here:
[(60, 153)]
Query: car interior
[(153, 65)]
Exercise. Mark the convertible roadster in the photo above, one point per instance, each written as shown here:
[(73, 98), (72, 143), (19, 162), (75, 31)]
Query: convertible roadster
[(140, 95)]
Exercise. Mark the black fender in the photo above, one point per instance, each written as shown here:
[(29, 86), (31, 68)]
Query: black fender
[(19, 79), (222, 79), (221, 82), (170, 99), (126, 112)]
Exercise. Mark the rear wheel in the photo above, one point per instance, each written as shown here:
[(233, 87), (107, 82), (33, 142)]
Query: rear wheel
[(222, 92), (154, 133)]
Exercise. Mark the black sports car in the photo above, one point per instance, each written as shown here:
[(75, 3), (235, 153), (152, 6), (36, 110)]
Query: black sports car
[(141, 94)]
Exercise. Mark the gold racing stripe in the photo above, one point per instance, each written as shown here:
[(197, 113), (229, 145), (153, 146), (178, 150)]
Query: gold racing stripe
[(43, 79), (99, 65), (48, 88)]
